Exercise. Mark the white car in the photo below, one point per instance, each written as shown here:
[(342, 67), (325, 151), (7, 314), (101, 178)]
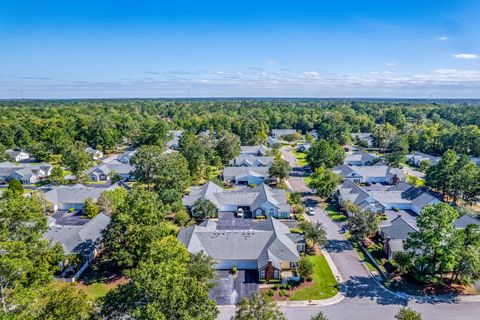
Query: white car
[(311, 211), (240, 213)]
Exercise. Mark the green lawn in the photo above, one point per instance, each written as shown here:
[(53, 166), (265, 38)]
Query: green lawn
[(333, 213), (301, 158), (96, 290), (416, 182), (324, 283), (307, 180), (363, 257)]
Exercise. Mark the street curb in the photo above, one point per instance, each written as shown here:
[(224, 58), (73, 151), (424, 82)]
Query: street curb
[(305, 303)]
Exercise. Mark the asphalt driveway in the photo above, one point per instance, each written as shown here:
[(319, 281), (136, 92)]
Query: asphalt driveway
[(232, 288)]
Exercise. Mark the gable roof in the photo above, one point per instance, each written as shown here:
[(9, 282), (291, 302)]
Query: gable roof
[(265, 241), (78, 239), (369, 171), (359, 156), (252, 160), (120, 168), (253, 150), (398, 229), (75, 194), (465, 220), (241, 172)]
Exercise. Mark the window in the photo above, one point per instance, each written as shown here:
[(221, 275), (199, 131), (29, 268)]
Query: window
[(293, 265), (262, 274), (271, 212), (275, 274)]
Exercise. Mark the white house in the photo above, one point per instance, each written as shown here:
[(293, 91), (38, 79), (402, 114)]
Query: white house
[(417, 158), (26, 173), (95, 154), (246, 175), (252, 161), (359, 158), (17, 155), (370, 174), (105, 172)]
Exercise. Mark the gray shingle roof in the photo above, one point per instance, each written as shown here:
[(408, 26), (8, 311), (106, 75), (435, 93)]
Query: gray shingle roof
[(241, 172), (398, 229), (359, 156), (267, 240), (78, 239), (75, 194), (252, 160), (465, 220), (253, 150)]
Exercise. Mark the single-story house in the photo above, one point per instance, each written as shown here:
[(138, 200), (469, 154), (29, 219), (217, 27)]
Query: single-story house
[(304, 147), (268, 247), (365, 137), (174, 141), (314, 134), (379, 198), (258, 151), (17, 155), (73, 197), (246, 175), (260, 201), (417, 158), (370, 174), (105, 171), (278, 133), (394, 235), (252, 161), (271, 141), (465, 220), (359, 158), (95, 154), (126, 156), (26, 173)]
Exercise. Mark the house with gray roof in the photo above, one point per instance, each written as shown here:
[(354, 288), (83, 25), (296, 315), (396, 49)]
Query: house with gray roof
[(465, 220), (174, 141), (380, 198), (17, 155), (105, 171), (94, 153), (26, 173), (258, 151), (73, 197), (246, 175), (304, 147), (417, 158), (268, 246), (370, 174), (279, 133), (127, 156), (251, 161), (359, 158), (394, 235), (364, 137), (260, 201)]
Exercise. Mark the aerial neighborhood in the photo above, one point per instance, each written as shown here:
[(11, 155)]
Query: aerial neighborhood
[(253, 209)]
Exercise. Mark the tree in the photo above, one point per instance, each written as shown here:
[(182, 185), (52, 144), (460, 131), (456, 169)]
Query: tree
[(279, 169), (204, 209), (136, 225), (440, 175), (146, 162), (90, 208), (161, 287), (258, 307), (319, 316), (228, 146), (154, 134), (324, 181), (314, 232), (305, 268), (110, 201), (432, 245), (181, 218), (407, 314), (56, 176), (172, 177), (203, 268), (361, 223), (403, 260), (325, 154), (76, 159), (15, 187), (467, 261), (53, 301)]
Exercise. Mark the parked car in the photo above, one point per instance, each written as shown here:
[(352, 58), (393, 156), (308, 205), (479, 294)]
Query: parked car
[(240, 213), (311, 211)]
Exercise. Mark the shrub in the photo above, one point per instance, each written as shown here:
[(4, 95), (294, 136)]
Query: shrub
[(396, 209), (270, 293), (276, 286), (289, 287), (295, 230), (234, 270), (181, 218), (260, 217), (71, 210)]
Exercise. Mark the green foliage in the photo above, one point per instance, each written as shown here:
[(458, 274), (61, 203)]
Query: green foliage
[(279, 169), (181, 218), (361, 223), (135, 226), (305, 268), (407, 314), (314, 232), (76, 159), (324, 181), (57, 176), (228, 146), (319, 316), (432, 246), (90, 209), (203, 268), (15, 187), (204, 209), (467, 260), (162, 286), (111, 200), (323, 153), (258, 307)]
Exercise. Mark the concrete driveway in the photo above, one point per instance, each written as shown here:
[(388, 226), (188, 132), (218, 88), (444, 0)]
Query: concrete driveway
[(232, 288)]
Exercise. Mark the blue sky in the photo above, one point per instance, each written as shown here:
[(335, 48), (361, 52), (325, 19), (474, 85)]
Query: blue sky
[(341, 48)]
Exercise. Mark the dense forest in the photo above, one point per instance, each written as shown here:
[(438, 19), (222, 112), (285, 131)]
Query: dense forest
[(48, 128)]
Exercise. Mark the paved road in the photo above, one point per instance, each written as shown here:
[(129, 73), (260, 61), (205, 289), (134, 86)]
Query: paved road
[(364, 298)]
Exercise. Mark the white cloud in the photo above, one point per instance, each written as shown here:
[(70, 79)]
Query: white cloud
[(271, 61), (465, 56), (391, 64), (442, 38)]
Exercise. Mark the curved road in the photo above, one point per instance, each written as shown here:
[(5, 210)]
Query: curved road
[(364, 298)]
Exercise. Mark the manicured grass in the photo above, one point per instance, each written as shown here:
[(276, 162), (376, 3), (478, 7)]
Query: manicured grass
[(324, 283), (301, 158), (307, 180), (97, 290), (416, 182), (364, 258), (334, 214)]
